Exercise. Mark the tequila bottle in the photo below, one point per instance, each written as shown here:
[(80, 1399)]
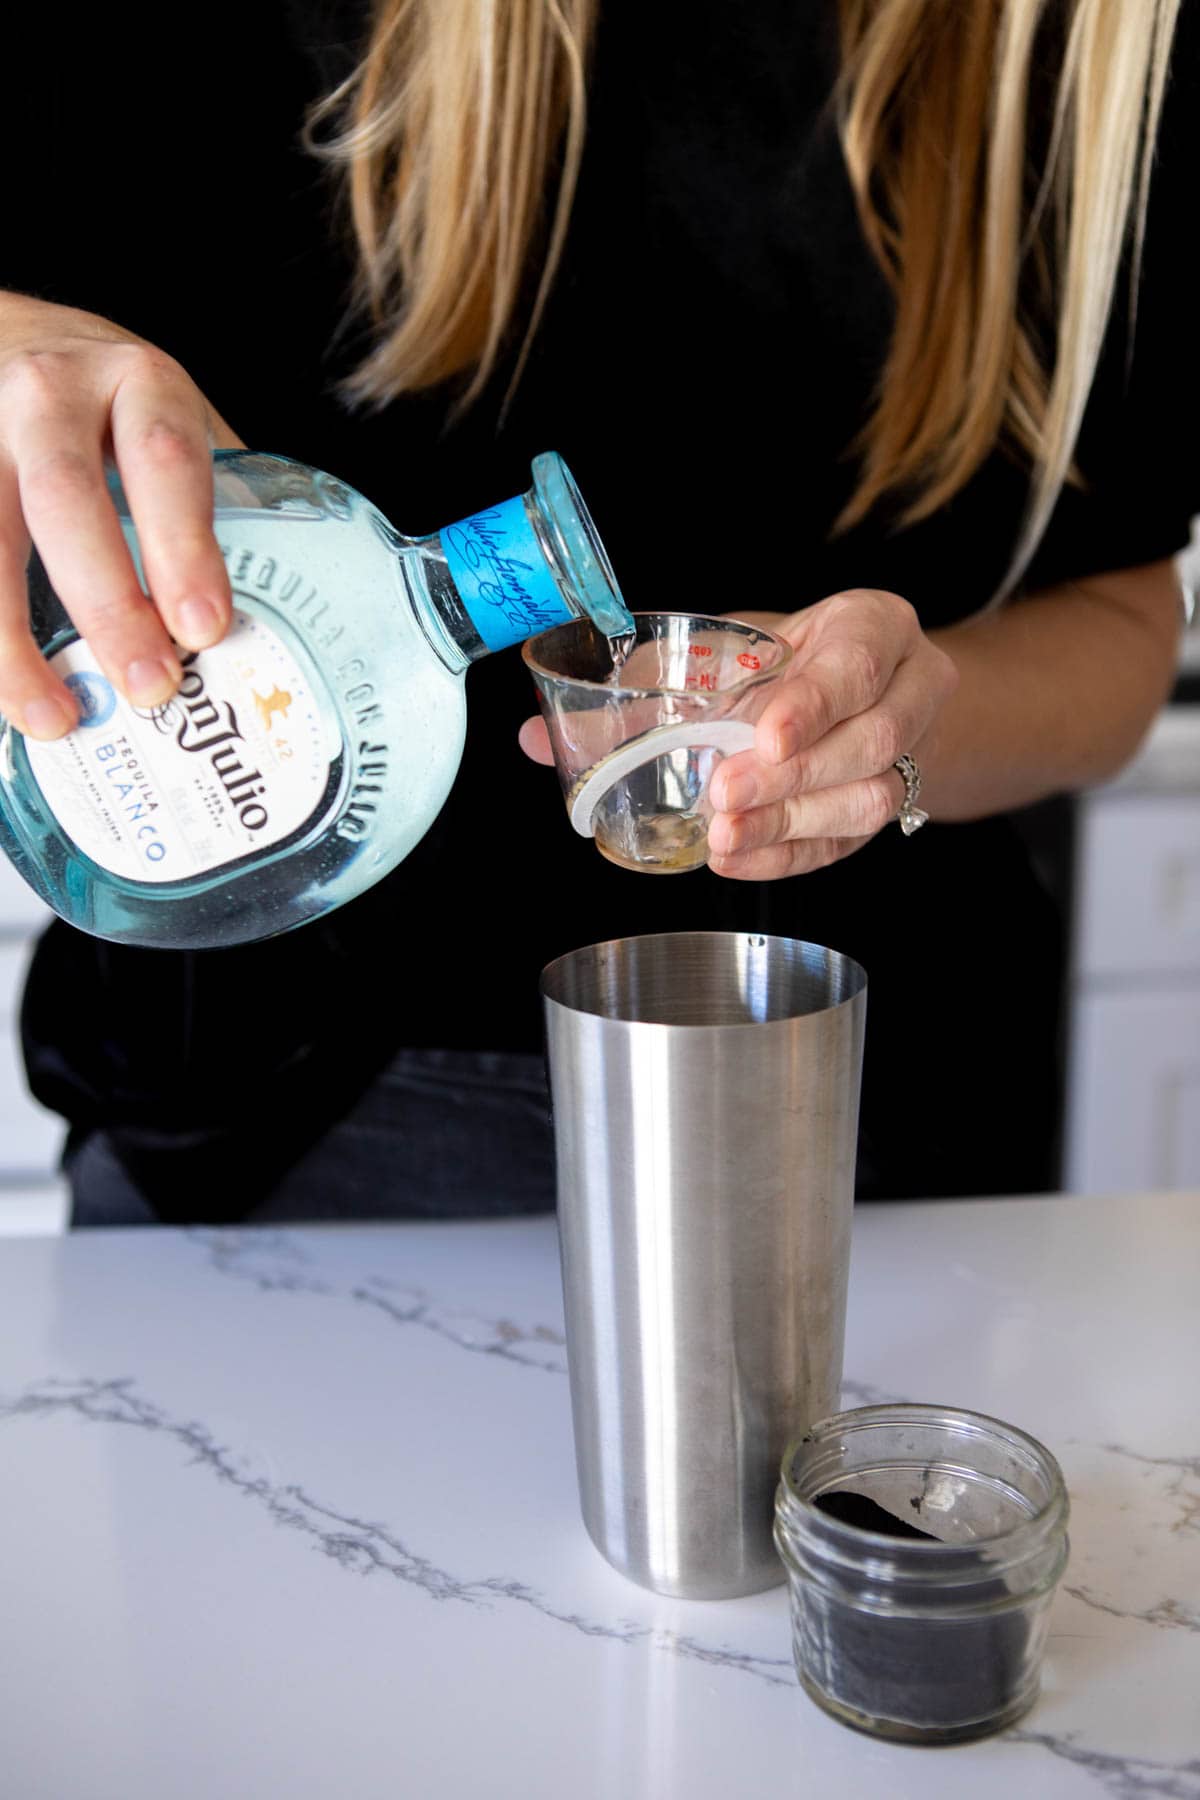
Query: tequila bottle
[(306, 754)]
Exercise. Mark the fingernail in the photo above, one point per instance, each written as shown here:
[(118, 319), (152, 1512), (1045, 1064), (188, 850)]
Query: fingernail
[(199, 624), (149, 682), (735, 859), (46, 719), (740, 792), (787, 743)]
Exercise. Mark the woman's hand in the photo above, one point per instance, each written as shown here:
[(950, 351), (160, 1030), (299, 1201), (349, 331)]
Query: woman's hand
[(1045, 695), (863, 688), (75, 389)]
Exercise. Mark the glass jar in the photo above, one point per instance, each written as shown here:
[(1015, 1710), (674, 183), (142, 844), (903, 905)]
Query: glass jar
[(930, 1639)]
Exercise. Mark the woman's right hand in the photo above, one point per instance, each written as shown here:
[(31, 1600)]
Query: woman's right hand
[(75, 389)]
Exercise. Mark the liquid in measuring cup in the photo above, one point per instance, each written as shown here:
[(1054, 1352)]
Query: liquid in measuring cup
[(654, 818), (636, 740), (656, 843)]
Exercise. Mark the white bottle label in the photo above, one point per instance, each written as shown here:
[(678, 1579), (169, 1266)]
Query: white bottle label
[(237, 760)]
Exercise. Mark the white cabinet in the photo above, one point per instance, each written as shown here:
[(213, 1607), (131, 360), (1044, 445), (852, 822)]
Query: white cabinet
[(1133, 1101), (1136, 1091), (1138, 869)]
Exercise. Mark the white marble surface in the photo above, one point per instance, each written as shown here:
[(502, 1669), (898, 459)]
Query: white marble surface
[(293, 1514)]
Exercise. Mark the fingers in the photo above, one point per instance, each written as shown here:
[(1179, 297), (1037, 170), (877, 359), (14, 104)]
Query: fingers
[(775, 861), (64, 404), (534, 740), (29, 695), (867, 687), (70, 516), (849, 649), (855, 749), (856, 810), (160, 443)]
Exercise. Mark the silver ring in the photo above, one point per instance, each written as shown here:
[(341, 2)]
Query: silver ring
[(910, 815)]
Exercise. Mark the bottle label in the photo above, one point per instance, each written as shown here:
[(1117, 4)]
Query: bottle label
[(502, 577), (235, 761)]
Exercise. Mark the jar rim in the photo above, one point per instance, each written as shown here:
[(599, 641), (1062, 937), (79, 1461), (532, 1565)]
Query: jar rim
[(935, 1554)]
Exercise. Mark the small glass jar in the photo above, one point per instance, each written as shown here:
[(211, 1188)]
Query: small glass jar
[(933, 1639)]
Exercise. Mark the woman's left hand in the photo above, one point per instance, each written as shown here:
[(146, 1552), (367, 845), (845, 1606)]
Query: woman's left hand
[(864, 687)]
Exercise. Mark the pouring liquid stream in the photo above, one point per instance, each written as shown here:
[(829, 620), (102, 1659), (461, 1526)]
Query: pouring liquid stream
[(620, 646)]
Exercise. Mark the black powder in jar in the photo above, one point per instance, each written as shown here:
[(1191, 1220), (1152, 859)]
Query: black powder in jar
[(927, 1636)]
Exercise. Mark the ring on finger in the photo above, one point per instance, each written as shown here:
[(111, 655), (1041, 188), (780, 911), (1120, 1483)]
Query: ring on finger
[(910, 817)]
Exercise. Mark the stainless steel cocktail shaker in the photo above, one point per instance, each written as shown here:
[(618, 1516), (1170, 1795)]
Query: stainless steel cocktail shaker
[(705, 1090)]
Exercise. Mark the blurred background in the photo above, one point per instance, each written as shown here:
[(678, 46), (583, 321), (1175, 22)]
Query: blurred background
[(1124, 860)]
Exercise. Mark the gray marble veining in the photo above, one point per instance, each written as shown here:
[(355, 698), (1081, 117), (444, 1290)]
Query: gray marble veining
[(360, 1546), (292, 1512), (276, 1263), (1123, 1777)]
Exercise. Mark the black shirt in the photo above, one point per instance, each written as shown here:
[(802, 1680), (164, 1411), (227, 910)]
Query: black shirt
[(710, 350)]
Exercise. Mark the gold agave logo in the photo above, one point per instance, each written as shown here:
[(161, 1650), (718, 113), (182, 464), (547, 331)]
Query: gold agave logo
[(277, 701)]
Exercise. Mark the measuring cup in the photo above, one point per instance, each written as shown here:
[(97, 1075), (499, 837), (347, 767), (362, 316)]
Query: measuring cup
[(635, 747)]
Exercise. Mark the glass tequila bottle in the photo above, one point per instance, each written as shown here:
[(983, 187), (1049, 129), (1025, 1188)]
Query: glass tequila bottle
[(306, 754)]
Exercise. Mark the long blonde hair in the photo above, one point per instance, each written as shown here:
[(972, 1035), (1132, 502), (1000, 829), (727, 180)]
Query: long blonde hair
[(462, 132)]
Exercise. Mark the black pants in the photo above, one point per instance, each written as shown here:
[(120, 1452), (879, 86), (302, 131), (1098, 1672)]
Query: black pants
[(440, 1134)]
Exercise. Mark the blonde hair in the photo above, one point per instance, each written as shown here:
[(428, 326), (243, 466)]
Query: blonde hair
[(462, 139), (462, 133)]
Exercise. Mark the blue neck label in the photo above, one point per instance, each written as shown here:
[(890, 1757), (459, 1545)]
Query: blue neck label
[(502, 577)]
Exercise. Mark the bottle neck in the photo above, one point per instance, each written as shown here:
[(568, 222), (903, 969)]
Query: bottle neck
[(440, 610), (503, 582), (517, 569)]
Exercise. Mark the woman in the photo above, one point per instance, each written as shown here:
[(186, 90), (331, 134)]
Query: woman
[(831, 308)]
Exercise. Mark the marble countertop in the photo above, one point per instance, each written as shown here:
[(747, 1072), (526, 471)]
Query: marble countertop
[(294, 1514)]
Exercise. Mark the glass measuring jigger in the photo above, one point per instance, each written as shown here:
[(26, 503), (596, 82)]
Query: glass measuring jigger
[(636, 746)]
